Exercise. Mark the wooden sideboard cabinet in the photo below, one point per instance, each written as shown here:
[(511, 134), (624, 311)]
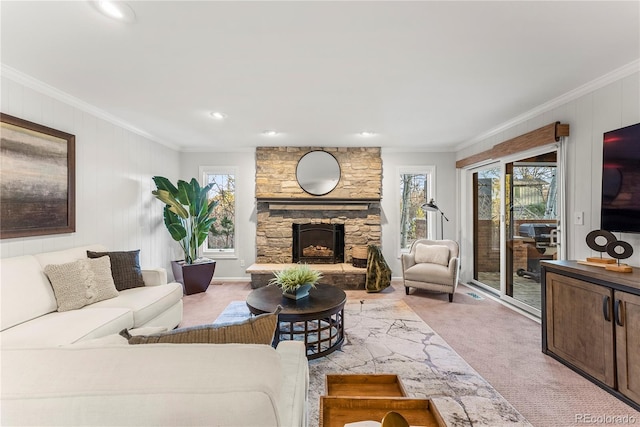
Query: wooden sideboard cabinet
[(591, 323)]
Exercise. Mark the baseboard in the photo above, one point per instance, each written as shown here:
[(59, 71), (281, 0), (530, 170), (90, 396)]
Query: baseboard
[(245, 279)]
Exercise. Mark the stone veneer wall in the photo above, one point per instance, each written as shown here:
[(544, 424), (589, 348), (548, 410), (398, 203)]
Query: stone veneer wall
[(360, 178)]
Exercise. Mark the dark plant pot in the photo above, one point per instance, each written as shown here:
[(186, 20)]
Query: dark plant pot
[(299, 293), (195, 278)]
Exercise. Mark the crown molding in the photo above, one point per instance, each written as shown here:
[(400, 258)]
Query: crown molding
[(188, 149), (44, 88), (412, 149), (600, 82)]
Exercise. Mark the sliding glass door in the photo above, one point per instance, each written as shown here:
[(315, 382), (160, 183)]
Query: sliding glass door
[(515, 226), (486, 226), (531, 222)]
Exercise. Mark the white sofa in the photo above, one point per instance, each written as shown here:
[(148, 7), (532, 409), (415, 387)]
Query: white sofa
[(29, 316), (73, 369), (156, 385)]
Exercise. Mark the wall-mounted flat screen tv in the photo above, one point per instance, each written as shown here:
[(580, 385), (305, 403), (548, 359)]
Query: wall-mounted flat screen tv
[(621, 180)]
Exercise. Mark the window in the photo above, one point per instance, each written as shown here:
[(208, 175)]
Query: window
[(222, 236), (534, 191), (416, 188)]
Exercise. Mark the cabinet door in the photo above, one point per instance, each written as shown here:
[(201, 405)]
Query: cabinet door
[(628, 344), (580, 325)]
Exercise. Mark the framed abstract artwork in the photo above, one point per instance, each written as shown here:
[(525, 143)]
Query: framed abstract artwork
[(37, 179)]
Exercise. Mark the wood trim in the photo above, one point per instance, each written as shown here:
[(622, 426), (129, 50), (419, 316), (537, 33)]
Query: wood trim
[(561, 130), (529, 140), (474, 158), (536, 138)]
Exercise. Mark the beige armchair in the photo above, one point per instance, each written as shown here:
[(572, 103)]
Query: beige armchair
[(432, 265)]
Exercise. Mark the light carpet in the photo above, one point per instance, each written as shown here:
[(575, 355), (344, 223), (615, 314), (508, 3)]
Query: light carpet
[(388, 337)]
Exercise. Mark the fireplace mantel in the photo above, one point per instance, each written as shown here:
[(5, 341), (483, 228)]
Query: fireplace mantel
[(314, 204)]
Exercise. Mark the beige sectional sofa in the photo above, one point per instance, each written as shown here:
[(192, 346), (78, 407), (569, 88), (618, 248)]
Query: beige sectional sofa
[(248, 385), (72, 368), (29, 316)]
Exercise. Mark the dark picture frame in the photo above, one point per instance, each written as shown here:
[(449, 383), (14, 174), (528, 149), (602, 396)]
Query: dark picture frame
[(37, 179)]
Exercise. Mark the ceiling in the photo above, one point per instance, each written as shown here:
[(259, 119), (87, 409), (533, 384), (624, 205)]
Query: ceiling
[(423, 75)]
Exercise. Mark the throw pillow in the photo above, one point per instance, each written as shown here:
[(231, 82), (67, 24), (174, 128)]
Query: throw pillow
[(432, 254), (125, 268), (83, 282), (255, 330)]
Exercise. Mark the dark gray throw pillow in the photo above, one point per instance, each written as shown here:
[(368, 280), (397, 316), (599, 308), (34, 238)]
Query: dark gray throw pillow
[(125, 268)]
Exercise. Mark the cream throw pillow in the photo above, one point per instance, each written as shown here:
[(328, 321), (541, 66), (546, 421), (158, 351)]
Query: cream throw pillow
[(432, 254), (81, 282)]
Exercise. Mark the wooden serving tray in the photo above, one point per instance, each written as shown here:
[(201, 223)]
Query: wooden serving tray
[(336, 411), (369, 385)]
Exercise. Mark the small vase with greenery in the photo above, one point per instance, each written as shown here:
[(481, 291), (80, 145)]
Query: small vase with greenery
[(296, 281)]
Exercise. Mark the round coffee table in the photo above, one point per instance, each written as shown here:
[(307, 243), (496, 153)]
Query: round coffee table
[(318, 319)]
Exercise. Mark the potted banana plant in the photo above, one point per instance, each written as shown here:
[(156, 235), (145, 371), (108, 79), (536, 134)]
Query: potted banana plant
[(187, 216)]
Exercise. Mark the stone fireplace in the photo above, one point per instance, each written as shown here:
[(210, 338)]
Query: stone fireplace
[(318, 243), (353, 206)]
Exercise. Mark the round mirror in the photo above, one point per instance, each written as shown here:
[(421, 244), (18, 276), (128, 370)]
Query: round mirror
[(318, 172)]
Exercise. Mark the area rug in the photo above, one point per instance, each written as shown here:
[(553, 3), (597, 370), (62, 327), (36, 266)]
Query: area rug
[(388, 337)]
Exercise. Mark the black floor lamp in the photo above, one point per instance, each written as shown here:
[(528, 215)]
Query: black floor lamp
[(431, 206)]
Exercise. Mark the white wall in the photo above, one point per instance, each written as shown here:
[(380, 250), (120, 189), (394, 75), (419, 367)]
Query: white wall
[(612, 106), (391, 161), (445, 197), (114, 166), (114, 205), (246, 219)]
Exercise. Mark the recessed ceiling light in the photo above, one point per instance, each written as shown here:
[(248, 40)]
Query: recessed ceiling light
[(270, 133), (116, 10), (218, 115), (367, 134)]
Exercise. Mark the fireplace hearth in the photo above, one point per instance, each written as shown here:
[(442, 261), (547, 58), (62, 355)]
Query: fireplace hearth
[(318, 243)]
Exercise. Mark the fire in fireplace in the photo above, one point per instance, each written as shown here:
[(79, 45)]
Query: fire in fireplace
[(318, 243)]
